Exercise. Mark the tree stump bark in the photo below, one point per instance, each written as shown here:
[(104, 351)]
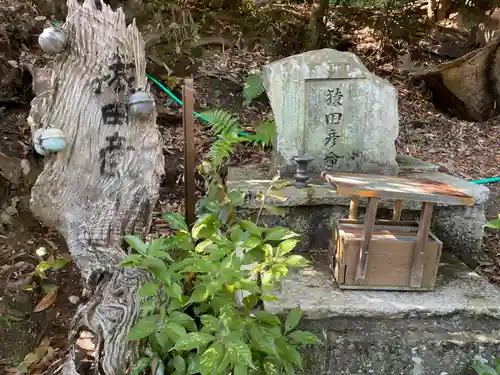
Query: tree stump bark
[(468, 87), (316, 30), (105, 183)]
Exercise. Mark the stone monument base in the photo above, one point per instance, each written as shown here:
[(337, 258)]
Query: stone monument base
[(312, 210), (395, 333)]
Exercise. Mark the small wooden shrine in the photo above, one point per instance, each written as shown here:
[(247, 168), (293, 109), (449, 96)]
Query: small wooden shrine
[(370, 253)]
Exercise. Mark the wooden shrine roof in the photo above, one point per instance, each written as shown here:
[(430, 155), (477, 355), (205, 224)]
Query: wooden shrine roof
[(407, 189)]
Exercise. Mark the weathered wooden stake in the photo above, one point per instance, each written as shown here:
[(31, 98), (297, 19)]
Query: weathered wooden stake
[(424, 225), (189, 151), (398, 206), (366, 238), (353, 208)]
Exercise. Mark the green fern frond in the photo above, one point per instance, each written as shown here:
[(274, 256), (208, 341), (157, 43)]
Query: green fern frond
[(220, 150), (264, 133), (254, 87), (222, 122)]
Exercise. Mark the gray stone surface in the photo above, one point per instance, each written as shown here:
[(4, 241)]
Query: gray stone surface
[(458, 290), (408, 163), (494, 201), (396, 333), (461, 229), (312, 210), (327, 105)]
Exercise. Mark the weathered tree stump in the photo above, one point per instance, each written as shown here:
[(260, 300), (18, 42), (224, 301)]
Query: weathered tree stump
[(468, 87), (106, 182)]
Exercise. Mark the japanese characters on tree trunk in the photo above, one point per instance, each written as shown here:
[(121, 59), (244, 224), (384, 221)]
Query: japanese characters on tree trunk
[(105, 182)]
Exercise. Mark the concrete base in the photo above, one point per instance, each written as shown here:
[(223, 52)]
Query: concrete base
[(312, 210), (396, 333)]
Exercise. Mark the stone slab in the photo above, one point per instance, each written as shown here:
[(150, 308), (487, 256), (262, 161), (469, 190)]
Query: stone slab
[(320, 193), (458, 290), (396, 333), (327, 105), (408, 163)]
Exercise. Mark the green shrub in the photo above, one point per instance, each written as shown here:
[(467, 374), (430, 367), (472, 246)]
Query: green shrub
[(494, 224), (482, 368), (201, 311)]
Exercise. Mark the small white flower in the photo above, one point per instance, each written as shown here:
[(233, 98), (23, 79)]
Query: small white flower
[(41, 251)]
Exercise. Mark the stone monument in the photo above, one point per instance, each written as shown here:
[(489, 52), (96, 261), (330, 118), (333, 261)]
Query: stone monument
[(327, 105)]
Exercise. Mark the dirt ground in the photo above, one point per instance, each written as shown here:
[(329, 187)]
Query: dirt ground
[(468, 150)]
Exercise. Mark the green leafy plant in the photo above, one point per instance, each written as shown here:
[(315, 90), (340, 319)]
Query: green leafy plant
[(228, 131), (253, 88), (222, 122), (201, 311), (47, 266), (494, 224), (482, 368), (264, 133)]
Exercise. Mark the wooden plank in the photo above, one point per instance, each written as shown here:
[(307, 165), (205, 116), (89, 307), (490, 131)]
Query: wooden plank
[(384, 287), (409, 189), (382, 233), (189, 151), (106, 183), (380, 222), (353, 208), (422, 238), (396, 214), (381, 227), (370, 216)]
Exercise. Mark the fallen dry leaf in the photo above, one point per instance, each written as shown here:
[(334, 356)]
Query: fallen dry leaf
[(35, 356), (13, 371), (46, 301), (44, 363)]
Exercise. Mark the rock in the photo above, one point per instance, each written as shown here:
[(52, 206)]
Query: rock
[(395, 333), (74, 299), (5, 218), (41, 252), (327, 105)]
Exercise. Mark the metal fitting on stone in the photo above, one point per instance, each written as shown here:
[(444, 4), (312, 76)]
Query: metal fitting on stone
[(301, 176)]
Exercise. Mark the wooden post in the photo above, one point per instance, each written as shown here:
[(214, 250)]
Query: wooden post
[(424, 225), (353, 208), (366, 237), (396, 215), (189, 151)]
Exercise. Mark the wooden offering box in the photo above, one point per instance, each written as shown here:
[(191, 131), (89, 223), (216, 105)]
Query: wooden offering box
[(390, 255), (383, 254)]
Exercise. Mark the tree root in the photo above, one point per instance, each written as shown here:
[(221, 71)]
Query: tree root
[(100, 326)]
